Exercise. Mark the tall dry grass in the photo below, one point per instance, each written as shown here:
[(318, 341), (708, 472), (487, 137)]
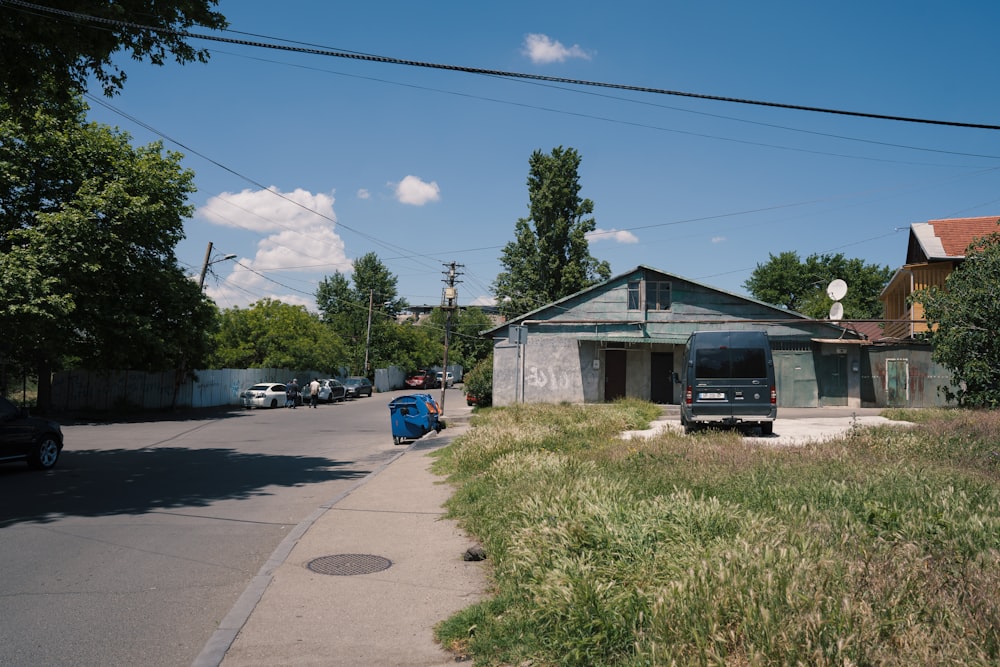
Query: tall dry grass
[(879, 548)]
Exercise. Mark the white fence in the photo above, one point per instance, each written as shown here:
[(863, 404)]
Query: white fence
[(102, 391)]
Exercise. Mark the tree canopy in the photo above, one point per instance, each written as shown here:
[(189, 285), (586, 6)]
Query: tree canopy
[(964, 317), (272, 334), (786, 281), (465, 347), (48, 50), (88, 226), (346, 304), (549, 257)]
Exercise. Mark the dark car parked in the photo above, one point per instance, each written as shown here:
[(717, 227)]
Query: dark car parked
[(24, 438), (422, 380), (356, 387)]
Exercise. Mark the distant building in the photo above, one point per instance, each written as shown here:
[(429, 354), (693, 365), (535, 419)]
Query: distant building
[(935, 249)]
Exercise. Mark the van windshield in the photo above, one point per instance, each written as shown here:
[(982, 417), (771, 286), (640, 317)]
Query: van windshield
[(730, 362)]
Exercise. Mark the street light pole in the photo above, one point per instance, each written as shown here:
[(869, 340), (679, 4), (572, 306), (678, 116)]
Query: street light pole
[(208, 262)]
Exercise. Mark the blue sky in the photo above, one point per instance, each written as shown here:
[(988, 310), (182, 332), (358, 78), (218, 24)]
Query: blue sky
[(425, 167)]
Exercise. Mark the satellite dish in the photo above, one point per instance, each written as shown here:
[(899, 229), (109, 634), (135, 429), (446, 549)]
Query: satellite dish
[(836, 289), (837, 311)]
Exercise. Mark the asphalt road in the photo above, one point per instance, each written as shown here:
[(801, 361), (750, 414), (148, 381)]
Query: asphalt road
[(134, 548)]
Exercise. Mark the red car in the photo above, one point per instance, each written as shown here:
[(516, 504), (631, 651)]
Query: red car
[(422, 380)]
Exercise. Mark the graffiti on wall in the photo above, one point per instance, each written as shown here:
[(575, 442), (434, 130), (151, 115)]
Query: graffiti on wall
[(542, 378)]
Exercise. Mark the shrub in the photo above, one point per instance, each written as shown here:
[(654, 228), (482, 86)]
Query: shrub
[(479, 381)]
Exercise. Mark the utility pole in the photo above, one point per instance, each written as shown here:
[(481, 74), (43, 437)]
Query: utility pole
[(368, 338), (449, 302)]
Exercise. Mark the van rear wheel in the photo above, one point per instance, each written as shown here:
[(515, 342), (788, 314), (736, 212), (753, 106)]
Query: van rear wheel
[(766, 428)]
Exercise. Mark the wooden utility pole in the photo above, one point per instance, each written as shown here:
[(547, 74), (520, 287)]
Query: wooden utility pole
[(449, 302)]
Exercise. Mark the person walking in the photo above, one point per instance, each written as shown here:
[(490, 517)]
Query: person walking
[(313, 392), (291, 393)]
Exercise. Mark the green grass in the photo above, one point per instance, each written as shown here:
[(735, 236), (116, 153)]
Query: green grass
[(882, 547)]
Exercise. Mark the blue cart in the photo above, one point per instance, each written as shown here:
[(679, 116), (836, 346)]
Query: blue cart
[(413, 416)]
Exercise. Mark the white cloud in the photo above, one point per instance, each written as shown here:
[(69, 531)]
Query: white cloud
[(268, 210), (411, 190), (616, 235), (543, 49), (297, 243), (718, 239), (484, 300), (364, 194)]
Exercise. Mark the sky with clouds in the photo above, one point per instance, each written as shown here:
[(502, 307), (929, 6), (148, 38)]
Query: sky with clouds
[(305, 162)]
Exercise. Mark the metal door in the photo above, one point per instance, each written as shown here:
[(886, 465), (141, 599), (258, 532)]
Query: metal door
[(661, 384), (897, 382), (614, 374)]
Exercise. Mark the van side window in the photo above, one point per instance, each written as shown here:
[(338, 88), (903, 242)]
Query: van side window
[(657, 295), (633, 295)]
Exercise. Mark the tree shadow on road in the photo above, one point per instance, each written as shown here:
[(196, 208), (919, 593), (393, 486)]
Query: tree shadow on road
[(90, 483)]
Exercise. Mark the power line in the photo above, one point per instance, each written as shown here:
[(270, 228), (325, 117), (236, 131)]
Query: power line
[(334, 53)]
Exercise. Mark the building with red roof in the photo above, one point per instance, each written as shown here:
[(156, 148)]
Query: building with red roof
[(934, 250)]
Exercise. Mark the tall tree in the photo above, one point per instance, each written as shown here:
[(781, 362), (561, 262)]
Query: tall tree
[(48, 50), (784, 280), (88, 227), (363, 313), (549, 257), (272, 334), (964, 318)]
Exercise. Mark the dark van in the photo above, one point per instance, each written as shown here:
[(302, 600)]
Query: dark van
[(729, 380)]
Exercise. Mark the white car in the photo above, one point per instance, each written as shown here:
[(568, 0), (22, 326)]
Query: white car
[(446, 381), (265, 395)]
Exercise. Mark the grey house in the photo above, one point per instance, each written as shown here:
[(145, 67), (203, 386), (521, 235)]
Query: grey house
[(625, 337)]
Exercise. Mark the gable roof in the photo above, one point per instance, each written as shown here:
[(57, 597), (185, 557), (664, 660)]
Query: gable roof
[(946, 239), (789, 314)]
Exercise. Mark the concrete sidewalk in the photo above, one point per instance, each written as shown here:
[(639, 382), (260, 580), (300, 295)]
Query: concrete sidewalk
[(390, 568)]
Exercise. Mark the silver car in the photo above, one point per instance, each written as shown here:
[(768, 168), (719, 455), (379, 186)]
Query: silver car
[(331, 390)]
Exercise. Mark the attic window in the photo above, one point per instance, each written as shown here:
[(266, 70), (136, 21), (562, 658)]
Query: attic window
[(633, 295), (657, 295)]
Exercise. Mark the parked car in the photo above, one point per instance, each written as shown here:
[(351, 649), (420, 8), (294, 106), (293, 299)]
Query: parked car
[(331, 390), (448, 379), (471, 399), (421, 380), (24, 438), (356, 387), (266, 395)]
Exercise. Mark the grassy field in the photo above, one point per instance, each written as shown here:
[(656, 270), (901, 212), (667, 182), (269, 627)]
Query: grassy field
[(880, 548)]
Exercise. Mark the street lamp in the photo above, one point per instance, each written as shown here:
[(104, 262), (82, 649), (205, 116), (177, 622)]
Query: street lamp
[(209, 262)]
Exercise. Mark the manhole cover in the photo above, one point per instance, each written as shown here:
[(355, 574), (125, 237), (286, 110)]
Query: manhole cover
[(349, 564)]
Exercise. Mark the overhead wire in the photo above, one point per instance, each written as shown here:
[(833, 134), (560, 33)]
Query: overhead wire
[(354, 55)]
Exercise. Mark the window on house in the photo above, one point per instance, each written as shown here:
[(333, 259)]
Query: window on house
[(657, 295), (633, 295)]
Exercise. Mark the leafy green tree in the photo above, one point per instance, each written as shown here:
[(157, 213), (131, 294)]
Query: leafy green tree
[(964, 317), (346, 307), (88, 227), (465, 347), (272, 334), (549, 257), (50, 52), (784, 280)]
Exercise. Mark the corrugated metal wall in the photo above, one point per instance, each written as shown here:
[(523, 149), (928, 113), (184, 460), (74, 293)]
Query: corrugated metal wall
[(101, 391), (902, 375)]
